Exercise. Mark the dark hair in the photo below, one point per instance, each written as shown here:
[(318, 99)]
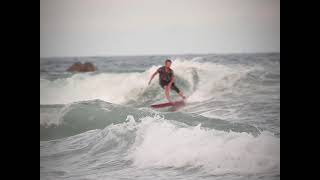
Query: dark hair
[(168, 60)]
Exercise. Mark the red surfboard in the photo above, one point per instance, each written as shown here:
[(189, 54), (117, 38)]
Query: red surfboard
[(177, 103)]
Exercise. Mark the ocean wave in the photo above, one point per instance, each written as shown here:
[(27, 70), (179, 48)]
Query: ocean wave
[(161, 143), (100, 125), (199, 80), (156, 142), (79, 117)]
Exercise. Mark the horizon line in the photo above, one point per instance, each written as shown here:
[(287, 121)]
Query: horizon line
[(170, 54)]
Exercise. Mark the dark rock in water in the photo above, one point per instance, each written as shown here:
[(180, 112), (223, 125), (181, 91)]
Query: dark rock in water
[(79, 67), (89, 67), (75, 67)]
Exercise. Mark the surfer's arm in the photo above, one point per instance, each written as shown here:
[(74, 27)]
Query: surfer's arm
[(155, 73)]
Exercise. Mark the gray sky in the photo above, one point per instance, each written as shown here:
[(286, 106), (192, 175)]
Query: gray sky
[(138, 27)]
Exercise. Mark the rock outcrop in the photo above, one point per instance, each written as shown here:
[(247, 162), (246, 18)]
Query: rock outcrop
[(79, 67)]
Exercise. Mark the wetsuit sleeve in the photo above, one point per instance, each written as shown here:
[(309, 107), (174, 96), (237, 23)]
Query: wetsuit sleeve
[(159, 70)]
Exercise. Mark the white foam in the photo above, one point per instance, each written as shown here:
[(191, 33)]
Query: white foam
[(115, 88), (214, 79), (160, 143)]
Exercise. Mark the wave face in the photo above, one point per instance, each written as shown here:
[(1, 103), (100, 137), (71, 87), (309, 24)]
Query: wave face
[(99, 125)]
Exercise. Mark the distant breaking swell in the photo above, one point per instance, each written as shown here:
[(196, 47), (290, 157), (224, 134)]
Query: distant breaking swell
[(199, 80)]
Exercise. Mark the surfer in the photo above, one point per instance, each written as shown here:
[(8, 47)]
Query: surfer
[(166, 79)]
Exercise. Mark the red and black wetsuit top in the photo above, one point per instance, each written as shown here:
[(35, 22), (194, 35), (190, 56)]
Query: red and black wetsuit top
[(165, 76)]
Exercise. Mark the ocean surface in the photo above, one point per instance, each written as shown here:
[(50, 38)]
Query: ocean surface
[(99, 125)]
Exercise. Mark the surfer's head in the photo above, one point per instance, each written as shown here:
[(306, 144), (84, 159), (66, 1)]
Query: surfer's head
[(168, 63)]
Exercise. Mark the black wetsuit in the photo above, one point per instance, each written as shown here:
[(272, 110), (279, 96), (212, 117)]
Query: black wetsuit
[(165, 78)]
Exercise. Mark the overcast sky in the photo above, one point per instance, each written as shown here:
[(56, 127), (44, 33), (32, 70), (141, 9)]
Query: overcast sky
[(138, 27)]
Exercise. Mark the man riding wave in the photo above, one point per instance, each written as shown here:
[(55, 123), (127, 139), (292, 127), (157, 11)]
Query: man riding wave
[(166, 79)]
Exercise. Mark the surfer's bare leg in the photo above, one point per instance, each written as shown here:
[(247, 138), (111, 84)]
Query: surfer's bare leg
[(167, 91), (178, 91)]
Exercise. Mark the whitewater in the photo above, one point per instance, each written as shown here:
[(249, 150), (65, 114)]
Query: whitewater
[(99, 125)]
